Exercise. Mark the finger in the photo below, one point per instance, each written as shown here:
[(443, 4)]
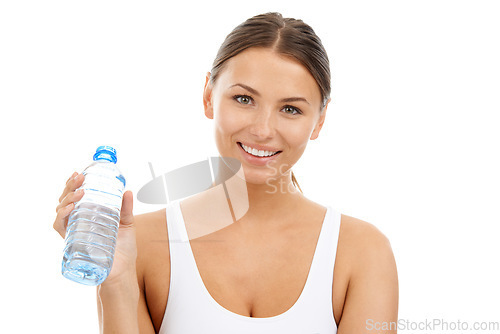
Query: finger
[(71, 185), (72, 197), (71, 177), (126, 213), (60, 223)]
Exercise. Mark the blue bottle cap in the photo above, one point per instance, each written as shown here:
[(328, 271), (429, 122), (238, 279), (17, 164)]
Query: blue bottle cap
[(105, 153)]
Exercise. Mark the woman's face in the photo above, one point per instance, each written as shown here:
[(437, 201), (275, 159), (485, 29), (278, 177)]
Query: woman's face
[(264, 100)]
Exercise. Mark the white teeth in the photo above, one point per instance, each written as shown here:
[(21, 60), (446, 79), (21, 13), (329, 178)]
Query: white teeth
[(258, 153)]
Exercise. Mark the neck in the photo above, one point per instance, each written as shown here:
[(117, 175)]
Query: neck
[(261, 202)]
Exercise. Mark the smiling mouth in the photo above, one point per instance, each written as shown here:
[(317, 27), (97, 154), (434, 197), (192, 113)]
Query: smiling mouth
[(258, 156)]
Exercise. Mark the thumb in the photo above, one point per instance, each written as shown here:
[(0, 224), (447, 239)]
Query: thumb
[(126, 215)]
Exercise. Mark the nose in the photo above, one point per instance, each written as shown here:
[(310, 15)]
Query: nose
[(263, 124)]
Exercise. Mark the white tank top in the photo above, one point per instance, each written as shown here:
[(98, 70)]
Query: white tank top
[(192, 310)]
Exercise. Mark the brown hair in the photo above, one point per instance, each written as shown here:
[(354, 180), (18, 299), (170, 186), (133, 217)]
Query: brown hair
[(286, 36)]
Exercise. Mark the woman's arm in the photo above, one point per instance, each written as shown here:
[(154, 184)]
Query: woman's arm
[(371, 304), (118, 306), (123, 309)]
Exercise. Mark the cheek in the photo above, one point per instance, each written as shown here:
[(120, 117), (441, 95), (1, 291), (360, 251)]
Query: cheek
[(298, 134), (228, 120)]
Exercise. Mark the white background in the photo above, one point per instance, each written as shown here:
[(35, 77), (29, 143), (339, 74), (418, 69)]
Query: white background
[(410, 143)]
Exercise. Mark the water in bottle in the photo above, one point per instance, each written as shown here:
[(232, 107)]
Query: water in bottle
[(93, 224)]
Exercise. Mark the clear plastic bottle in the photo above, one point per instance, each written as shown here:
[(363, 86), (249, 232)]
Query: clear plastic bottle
[(93, 224)]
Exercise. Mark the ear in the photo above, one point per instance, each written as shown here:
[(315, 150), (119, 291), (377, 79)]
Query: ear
[(207, 97), (320, 122)]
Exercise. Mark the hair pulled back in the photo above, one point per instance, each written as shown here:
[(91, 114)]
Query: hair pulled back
[(286, 36)]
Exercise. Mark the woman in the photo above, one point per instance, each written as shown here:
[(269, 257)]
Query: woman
[(285, 264)]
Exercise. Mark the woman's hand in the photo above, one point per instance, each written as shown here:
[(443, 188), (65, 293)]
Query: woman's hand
[(124, 266), (67, 202)]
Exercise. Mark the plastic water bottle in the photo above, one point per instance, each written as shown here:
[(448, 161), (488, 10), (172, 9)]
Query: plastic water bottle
[(93, 224)]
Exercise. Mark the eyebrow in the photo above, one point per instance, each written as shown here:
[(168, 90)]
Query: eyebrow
[(253, 91)]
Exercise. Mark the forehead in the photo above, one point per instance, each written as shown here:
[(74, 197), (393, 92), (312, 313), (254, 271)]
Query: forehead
[(270, 72)]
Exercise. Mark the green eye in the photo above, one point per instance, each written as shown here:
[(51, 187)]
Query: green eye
[(291, 110), (243, 99)]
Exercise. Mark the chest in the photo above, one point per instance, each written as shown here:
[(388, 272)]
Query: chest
[(256, 277), (260, 277)]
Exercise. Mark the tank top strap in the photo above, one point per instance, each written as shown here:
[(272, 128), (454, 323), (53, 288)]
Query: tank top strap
[(176, 233), (320, 278), (184, 286)]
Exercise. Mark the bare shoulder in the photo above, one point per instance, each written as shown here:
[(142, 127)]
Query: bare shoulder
[(152, 240), (360, 227), (362, 250), (150, 226), (150, 218), (366, 255), (372, 288), (363, 241)]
